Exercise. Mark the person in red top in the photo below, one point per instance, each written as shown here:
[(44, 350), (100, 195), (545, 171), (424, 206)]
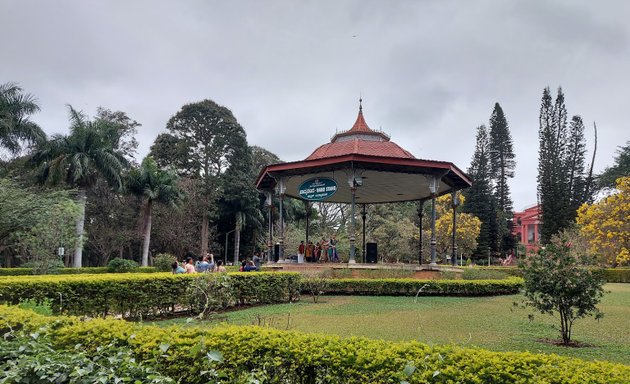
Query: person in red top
[(301, 252)]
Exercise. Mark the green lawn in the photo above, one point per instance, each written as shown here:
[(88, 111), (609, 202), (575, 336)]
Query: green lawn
[(488, 322)]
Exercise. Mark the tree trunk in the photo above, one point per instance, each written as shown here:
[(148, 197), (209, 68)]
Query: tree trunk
[(237, 238), (147, 236), (78, 250), (204, 233)]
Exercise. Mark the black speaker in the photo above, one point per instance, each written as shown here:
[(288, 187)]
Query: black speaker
[(276, 252), (371, 254)]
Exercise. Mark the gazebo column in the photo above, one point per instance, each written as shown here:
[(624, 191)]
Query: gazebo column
[(280, 189), (433, 188), (454, 239), (353, 192), (420, 241), (363, 215), (269, 203)]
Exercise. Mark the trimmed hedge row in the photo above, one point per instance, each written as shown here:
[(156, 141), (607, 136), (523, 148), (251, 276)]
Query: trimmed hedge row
[(611, 275), (413, 287), (302, 358), (138, 295), (617, 275), (71, 271)]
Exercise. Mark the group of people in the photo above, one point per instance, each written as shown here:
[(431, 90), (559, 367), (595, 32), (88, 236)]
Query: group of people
[(201, 265), (321, 252)]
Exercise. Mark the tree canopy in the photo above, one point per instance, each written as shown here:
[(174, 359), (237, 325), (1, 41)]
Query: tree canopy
[(16, 128)]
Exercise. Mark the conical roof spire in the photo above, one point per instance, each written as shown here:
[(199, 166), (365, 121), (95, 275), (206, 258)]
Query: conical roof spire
[(360, 125)]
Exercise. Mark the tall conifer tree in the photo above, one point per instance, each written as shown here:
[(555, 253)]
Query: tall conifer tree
[(502, 162), (479, 199), (502, 166), (561, 158)]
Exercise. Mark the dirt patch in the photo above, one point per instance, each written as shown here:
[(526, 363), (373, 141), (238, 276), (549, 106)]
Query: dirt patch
[(559, 343), (426, 275)]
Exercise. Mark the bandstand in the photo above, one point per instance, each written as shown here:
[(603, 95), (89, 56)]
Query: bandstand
[(362, 166)]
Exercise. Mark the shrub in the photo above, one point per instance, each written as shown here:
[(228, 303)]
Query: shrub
[(31, 358), (118, 265), (209, 292), (139, 295), (617, 275), (292, 357), (44, 266), (163, 262), (483, 274), (411, 287), (560, 280)]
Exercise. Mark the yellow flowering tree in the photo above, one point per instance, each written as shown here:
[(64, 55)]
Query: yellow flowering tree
[(468, 228), (606, 225)]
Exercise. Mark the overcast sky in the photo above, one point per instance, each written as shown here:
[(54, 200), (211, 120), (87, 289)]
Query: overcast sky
[(292, 71)]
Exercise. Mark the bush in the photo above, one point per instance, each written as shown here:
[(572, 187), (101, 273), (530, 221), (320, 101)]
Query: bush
[(292, 357), (413, 287), (139, 295), (559, 279), (483, 274), (163, 262), (45, 266), (617, 275), (69, 271), (118, 265), (31, 358)]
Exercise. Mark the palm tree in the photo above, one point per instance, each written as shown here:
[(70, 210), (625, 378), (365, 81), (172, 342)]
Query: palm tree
[(152, 184), (90, 151), (15, 126)]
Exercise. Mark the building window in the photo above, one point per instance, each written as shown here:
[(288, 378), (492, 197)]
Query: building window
[(530, 233)]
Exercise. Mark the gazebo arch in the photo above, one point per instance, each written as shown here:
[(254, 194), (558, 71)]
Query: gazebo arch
[(364, 166)]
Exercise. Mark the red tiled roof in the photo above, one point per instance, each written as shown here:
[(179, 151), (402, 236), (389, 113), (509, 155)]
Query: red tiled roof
[(360, 125), (360, 147), (361, 140)]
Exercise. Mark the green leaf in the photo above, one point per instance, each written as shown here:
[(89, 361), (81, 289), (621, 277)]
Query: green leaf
[(409, 369), (215, 356)]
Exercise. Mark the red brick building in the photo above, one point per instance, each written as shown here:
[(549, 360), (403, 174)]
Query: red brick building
[(527, 227)]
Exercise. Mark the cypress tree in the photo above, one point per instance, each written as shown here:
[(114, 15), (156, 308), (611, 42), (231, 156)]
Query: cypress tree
[(479, 200)]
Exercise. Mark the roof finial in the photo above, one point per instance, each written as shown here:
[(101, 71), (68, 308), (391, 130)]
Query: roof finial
[(360, 103)]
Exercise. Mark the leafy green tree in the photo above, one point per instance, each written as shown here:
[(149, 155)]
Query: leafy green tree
[(203, 141), (112, 230), (90, 151), (620, 168), (34, 224), (152, 185), (240, 202), (560, 280), (479, 199), (16, 128)]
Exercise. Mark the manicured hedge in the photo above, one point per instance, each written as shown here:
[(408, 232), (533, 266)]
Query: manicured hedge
[(70, 271), (617, 275), (302, 358), (612, 275), (138, 295), (412, 287)]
